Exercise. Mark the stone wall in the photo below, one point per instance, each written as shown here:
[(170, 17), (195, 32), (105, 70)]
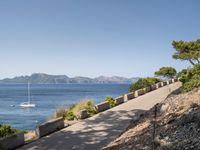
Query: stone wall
[(169, 81), (139, 92), (102, 107), (119, 100), (12, 142), (163, 83), (129, 96), (49, 127), (153, 87), (158, 85), (174, 80), (82, 114), (147, 89)]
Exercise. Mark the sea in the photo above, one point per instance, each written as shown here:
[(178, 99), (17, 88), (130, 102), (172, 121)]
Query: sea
[(47, 98)]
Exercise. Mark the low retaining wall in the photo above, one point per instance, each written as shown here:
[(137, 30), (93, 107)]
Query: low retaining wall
[(169, 81), (49, 127), (82, 114), (153, 87), (163, 83), (174, 80), (102, 106), (158, 85), (119, 100), (146, 89), (139, 92), (12, 142), (129, 96)]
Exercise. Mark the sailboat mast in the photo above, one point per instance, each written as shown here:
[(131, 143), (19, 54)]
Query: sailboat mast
[(28, 92)]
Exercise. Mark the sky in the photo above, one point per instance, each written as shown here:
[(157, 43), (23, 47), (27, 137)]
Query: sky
[(130, 38)]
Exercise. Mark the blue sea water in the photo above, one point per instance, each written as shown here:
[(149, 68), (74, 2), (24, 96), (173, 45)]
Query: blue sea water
[(47, 98)]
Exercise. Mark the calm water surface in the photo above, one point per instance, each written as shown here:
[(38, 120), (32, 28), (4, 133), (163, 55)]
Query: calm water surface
[(48, 97)]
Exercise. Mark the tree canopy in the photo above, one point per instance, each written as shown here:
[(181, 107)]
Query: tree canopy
[(190, 77), (168, 72), (189, 51), (142, 83)]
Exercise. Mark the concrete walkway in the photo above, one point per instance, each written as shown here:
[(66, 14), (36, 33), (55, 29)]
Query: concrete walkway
[(96, 132)]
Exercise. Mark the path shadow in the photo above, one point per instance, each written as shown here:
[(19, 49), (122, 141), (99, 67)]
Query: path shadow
[(94, 133)]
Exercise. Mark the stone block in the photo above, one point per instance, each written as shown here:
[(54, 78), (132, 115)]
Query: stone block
[(174, 80), (12, 141), (158, 85), (119, 100), (129, 96), (163, 83), (139, 92), (102, 107), (50, 127), (153, 87), (169, 82), (82, 114), (147, 89)]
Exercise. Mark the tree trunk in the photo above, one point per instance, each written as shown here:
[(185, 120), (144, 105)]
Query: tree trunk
[(191, 62), (197, 60)]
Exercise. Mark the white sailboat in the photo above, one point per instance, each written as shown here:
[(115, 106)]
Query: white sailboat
[(28, 104)]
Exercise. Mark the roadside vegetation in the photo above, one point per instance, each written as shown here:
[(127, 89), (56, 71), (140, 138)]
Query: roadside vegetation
[(110, 100), (188, 51), (6, 130), (143, 83), (71, 111), (166, 72), (190, 77)]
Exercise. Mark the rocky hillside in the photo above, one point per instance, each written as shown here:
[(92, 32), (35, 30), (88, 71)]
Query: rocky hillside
[(45, 78), (177, 126)]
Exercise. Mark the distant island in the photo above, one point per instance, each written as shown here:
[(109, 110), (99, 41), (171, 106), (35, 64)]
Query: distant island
[(42, 78)]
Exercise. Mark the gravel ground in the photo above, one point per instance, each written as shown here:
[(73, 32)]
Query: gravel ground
[(177, 126)]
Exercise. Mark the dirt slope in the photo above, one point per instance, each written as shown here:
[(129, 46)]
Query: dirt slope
[(177, 126)]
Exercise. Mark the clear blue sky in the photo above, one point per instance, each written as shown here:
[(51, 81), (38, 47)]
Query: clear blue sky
[(91, 38)]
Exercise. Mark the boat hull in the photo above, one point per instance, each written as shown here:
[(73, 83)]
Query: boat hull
[(27, 105)]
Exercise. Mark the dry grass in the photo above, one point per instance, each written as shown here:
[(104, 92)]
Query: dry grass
[(70, 112), (83, 104), (59, 112)]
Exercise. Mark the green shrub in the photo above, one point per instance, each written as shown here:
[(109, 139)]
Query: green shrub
[(110, 100), (85, 104), (142, 83), (90, 108), (190, 78), (6, 130), (191, 84), (166, 72), (70, 115)]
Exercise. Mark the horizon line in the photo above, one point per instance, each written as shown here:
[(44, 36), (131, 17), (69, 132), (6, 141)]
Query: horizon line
[(109, 76)]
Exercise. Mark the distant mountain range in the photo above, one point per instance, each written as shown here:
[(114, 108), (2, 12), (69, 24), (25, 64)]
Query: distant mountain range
[(41, 78)]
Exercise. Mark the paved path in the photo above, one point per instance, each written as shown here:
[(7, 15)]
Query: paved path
[(99, 130)]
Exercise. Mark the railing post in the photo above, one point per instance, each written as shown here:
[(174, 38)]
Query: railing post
[(154, 127)]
